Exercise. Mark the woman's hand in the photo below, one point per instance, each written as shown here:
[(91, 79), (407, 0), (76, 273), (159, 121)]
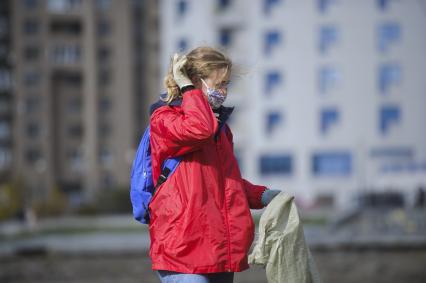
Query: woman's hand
[(268, 196), (179, 73)]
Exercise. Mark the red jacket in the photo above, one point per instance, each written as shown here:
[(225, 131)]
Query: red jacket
[(200, 216)]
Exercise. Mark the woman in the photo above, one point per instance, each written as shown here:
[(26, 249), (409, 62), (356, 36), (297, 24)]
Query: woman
[(201, 228)]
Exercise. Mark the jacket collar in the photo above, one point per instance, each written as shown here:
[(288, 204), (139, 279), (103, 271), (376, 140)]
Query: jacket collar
[(222, 113), (161, 103)]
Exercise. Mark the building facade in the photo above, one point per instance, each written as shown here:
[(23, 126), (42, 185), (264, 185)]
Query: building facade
[(329, 93), (81, 92), (6, 89)]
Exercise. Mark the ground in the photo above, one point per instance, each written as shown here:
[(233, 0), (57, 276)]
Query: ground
[(334, 265)]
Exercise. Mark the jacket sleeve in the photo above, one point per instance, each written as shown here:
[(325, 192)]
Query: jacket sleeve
[(185, 130), (253, 192)]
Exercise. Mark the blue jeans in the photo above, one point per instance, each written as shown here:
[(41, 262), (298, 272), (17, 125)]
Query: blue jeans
[(176, 277)]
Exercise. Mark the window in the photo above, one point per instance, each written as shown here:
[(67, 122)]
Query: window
[(104, 53), (63, 6), (276, 164), (272, 39), (138, 3), (104, 77), (5, 80), (393, 152), (406, 167), (328, 79), (5, 105), (225, 37), (273, 80), (31, 53), (182, 45), (74, 105), (103, 5), (328, 118), (66, 54), (75, 160), (383, 4), (181, 8), (328, 37), (30, 4), (32, 155), (388, 34), (105, 156), (5, 130), (332, 164), (104, 28), (389, 115), (4, 51), (389, 75), (273, 120), (105, 104), (31, 26), (4, 26), (104, 130), (66, 27), (75, 131), (5, 157), (33, 130), (32, 78), (32, 104), (223, 4), (268, 5), (70, 79), (108, 180), (324, 5)]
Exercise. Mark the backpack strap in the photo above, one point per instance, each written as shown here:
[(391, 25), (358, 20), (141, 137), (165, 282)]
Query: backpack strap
[(162, 178), (170, 164), (169, 167)]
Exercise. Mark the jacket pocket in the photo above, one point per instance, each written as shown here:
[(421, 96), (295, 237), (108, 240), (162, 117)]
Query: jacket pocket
[(166, 204)]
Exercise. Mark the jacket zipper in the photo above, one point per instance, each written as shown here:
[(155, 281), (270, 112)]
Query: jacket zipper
[(226, 215)]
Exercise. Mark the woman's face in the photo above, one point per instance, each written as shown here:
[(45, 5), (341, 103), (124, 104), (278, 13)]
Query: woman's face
[(218, 79)]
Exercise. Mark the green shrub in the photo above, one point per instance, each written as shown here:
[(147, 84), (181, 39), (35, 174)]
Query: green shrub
[(108, 201), (11, 200), (56, 204)]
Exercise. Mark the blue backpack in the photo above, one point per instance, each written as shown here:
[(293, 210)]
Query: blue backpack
[(141, 183)]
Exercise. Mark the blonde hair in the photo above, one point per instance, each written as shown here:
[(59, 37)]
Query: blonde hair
[(202, 61)]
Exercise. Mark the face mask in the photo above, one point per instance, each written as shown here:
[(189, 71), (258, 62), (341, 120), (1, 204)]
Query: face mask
[(215, 97)]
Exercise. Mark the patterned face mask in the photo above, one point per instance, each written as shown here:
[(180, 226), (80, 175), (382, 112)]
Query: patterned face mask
[(215, 97)]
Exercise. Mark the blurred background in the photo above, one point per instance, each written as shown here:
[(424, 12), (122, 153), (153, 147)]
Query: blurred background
[(330, 100)]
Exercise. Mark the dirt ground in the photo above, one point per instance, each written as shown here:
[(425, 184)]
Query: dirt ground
[(334, 265)]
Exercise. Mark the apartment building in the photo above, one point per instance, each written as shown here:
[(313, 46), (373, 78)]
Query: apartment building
[(84, 74), (329, 97)]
